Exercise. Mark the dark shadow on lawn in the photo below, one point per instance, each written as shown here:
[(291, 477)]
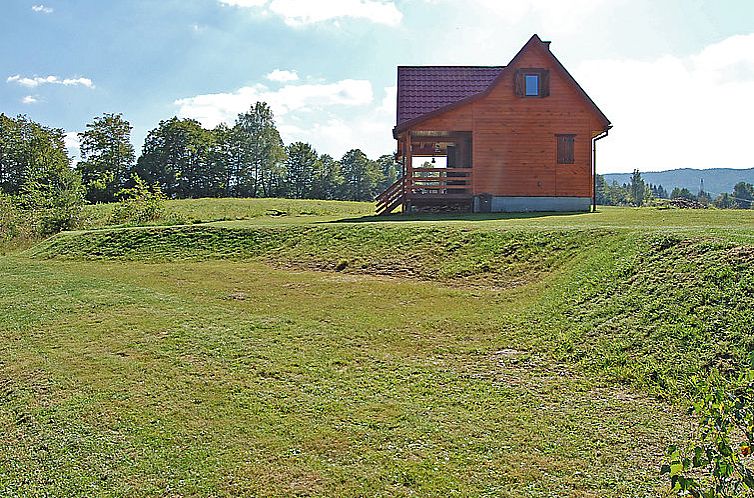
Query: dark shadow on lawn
[(398, 218)]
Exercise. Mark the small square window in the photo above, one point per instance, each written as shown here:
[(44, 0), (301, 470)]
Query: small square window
[(531, 82)]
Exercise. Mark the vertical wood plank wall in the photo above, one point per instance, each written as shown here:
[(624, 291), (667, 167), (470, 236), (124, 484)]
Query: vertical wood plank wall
[(514, 146)]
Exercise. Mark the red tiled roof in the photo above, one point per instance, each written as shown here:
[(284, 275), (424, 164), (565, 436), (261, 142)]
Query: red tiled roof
[(423, 89)]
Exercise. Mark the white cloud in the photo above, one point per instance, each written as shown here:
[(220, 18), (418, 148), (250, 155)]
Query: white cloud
[(73, 144), (212, 109), (29, 99), (333, 117), (244, 3), (282, 76), (42, 9), (672, 112), (72, 140), (302, 12), (548, 17), (49, 80), (514, 11)]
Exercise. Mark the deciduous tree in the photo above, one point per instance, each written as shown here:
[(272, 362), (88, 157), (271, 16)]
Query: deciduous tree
[(300, 164), (361, 176), (261, 153), (107, 156)]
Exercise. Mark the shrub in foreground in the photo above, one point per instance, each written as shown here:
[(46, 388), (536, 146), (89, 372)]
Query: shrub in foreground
[(719, 462), (139, 204)]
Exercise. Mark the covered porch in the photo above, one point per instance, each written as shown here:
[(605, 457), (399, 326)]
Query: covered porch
[(437, 173)]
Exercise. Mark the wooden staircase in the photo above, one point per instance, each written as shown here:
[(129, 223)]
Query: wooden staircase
[(392, 197), (427, 187)]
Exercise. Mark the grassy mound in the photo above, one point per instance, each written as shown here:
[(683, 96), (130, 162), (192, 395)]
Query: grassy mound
[(655, 310), (647, 309), (230, 209), (504, 258)]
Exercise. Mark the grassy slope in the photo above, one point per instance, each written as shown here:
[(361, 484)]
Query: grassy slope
[(226, 376), (232, 378), (215, 210)]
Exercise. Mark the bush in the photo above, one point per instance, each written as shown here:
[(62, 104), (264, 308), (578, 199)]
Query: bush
[(53, 203), (14, 223), (139, 204), (719, 463)]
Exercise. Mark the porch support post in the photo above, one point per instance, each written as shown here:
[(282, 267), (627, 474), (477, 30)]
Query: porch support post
[(407, 141)]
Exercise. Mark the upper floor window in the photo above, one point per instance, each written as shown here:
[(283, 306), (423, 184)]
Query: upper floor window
[(531, 85), (532, 82)]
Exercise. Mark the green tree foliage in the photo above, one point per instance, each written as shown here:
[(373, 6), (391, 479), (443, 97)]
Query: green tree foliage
[(177, 156), (390, 170), (719, 461), (35, 171), (54, 201), (14, 222), (250, 160), (743, 194), (724, 201), (29, 150), (637, 188), (225, 157), (139, 204), (301, 166), (600, 186), (617, 195), (261, 153), (107, 156), (361, 177), (704, 198), (682, 193), (328, 180), (658, 191)]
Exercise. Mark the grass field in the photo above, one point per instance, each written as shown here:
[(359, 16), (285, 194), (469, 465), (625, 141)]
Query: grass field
[(326, 353)]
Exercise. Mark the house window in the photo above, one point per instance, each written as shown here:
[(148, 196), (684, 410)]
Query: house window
[(532, 82), (565, 148), (531, 85)]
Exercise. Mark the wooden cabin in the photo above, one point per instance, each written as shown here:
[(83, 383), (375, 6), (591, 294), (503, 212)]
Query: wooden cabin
[(513, 138)]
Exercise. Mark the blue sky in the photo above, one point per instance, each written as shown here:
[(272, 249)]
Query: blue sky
[(675, 77)]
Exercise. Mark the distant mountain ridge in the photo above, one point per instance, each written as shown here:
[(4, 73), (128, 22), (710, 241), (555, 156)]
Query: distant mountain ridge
[(716, 180)]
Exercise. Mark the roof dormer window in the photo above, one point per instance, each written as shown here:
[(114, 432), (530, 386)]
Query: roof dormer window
[(532, 82)]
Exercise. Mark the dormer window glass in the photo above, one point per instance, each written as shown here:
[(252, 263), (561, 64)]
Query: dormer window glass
[(532, 85)]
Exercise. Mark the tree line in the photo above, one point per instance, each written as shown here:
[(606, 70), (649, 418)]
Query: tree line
[(248, 159), (639, 193), (41, 193)]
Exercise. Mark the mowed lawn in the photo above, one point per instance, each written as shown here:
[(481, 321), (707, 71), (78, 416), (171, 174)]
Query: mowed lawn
[(153, 362), (233, 378)]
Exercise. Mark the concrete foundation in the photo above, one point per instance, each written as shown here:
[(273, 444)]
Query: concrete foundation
[(499, 204)]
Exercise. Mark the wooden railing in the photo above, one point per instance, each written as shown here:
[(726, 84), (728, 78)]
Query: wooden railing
[(425, 182), (392, 197), (439, 181)]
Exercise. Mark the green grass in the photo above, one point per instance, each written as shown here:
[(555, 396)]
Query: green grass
[(187, 211), (470, 356), (232, 378)]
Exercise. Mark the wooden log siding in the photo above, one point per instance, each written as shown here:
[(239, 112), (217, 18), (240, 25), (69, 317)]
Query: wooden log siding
[(514, 147)]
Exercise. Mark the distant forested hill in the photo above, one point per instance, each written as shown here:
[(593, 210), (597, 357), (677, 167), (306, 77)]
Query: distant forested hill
[(716, 180)]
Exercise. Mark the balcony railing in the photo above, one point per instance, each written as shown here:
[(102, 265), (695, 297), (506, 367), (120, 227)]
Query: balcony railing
[(439, 181)]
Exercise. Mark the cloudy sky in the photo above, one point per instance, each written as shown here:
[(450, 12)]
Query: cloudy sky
[(676, 77)]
